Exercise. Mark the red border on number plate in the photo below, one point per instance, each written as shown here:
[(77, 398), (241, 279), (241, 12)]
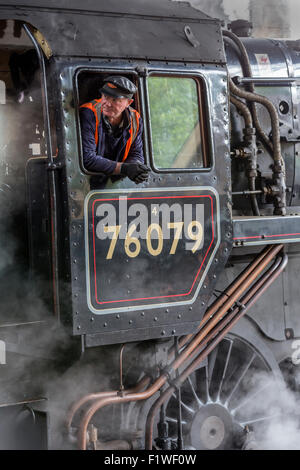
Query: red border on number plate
[(141, 198)]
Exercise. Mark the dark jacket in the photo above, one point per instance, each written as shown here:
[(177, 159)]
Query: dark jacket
[(110, 148)]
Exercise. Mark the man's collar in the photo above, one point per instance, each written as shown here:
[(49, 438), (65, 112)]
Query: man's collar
[(125, 121)]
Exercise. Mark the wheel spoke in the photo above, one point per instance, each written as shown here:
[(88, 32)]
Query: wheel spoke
[(225, 369), (262, 418), (222, 389), (250, 397), (246, 368), (207, 383), (173, 420), (198, 401), (211, 363), (185, 406)]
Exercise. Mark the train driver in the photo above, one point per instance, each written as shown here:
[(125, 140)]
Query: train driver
[(111, 132)]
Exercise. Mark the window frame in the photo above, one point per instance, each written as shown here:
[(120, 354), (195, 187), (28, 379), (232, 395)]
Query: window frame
[(106, 70), (203, 120)]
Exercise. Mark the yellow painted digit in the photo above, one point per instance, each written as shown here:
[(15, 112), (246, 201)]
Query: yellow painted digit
[(152, 251), (115, 230), (178, 226), (129, 240), (197, 235)]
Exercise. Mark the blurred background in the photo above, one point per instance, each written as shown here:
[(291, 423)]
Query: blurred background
[(270, 18)]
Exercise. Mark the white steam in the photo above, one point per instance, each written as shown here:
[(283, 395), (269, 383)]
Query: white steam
[(236, 9), (287, 11), (272, 415)]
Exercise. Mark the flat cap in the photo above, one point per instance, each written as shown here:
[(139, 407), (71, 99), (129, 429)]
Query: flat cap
[(118, 87)]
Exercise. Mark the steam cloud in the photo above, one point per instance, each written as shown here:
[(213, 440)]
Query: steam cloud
[(285, 14), (274, 420)]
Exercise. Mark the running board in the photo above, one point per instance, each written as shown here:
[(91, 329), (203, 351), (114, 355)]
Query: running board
[(265, 230)]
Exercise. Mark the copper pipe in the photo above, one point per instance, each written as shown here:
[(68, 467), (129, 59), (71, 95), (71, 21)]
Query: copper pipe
[(243, 301), (95, 396), (266, 257), (225, 318), (235, 284), (110, 401), (227, 293), (233, 298), (113, 445), (257, 292), (177, 363), (117, 444), (121, 368), (253, 294), (214, 307)]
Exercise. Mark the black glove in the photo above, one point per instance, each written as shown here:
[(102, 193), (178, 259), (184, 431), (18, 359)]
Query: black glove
[(137, 172)]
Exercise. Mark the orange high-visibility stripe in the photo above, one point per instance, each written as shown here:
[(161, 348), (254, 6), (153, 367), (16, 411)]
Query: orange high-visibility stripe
[(128, 145), (92, 107), (133, 115)]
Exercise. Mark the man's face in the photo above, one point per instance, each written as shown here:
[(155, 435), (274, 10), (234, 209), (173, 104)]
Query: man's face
[(114, 107)]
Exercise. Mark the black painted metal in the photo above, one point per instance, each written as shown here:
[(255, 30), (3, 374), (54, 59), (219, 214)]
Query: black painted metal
[(264, 230), (66, 32), (265, 80), (276, 70), (143, 321), (128, 29), (38, 215), (283, 61), (51, 176), (170, 38)]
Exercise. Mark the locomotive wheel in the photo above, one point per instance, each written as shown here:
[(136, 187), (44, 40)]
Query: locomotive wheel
[(227, 397)]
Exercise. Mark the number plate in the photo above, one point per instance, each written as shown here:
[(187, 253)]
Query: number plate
[(148, 248)]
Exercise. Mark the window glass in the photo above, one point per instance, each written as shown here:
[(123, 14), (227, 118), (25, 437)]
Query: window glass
[(175, 122)]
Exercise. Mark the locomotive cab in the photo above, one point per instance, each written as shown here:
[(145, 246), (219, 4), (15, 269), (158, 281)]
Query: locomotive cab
[(123, 285), (156, 221)]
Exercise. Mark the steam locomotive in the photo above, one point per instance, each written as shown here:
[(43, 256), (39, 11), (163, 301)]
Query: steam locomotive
[(159, 315)]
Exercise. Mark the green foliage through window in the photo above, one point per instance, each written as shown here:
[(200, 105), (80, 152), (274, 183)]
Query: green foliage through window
[(174, 114)]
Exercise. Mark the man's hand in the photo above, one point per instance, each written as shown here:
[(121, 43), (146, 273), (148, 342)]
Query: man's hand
[(137, 172)]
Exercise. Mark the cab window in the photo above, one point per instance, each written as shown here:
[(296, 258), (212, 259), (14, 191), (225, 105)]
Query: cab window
[(177, 131), (89, 84)]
